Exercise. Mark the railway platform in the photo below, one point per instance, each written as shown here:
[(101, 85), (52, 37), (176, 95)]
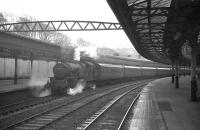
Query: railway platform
[(9, 86), (161, 106)]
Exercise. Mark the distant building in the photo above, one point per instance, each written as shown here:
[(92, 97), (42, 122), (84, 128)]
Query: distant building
[(2, 19)]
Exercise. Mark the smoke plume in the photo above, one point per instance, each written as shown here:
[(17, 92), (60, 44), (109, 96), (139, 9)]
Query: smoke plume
[(78, 88), (39, 79), (93, 86), (38, 87), (90, 51)]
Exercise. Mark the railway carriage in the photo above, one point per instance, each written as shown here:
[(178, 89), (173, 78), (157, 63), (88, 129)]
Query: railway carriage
[(132, 71), (68, 75), (163, 71), (109, 71), (148, 71)]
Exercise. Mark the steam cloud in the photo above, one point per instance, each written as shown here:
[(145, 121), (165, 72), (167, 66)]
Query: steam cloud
[(93, 87), (38, 87), (78, 88), (90, 51), (39, 79)]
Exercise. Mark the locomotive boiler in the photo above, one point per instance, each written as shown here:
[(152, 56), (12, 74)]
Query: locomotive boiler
[(68, 74)]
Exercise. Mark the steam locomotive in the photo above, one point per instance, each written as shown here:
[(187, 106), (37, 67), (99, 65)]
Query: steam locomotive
[(89, 73)]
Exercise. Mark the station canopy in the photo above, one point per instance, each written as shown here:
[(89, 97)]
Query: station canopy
[(161, 30)]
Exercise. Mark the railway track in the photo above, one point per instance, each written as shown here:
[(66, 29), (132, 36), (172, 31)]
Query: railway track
[(113, 114), (9, 109), (44, 118)]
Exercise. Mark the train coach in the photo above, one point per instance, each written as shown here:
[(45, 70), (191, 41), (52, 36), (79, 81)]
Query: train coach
[(89, 73)]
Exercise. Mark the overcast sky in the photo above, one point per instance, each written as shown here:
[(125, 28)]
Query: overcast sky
[(94, 10)]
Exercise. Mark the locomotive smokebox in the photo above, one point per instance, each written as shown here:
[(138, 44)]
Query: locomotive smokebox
[(62, 70), (65, 75)]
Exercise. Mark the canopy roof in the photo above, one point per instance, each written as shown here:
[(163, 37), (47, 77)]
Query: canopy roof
[(161, 30)]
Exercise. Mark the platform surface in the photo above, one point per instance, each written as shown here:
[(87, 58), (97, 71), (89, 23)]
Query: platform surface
[(161, 106), (9, 86)]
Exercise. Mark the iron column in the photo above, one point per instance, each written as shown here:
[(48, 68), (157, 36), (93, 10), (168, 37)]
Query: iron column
[(172, 72), (176, 74), (16, 67), (193, 75)]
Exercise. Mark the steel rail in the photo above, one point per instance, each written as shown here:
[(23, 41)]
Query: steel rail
[(128, 110), (60, 106), (89, 103), (88, 122), (11, 108)]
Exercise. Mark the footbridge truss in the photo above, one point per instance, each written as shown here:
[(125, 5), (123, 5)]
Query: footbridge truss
[(64, 25)]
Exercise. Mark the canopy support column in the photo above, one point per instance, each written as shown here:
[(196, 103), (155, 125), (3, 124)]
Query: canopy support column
[(16, 67), (193, 43), (193, 76), (31, 66), (173, 73), (176, 74)]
